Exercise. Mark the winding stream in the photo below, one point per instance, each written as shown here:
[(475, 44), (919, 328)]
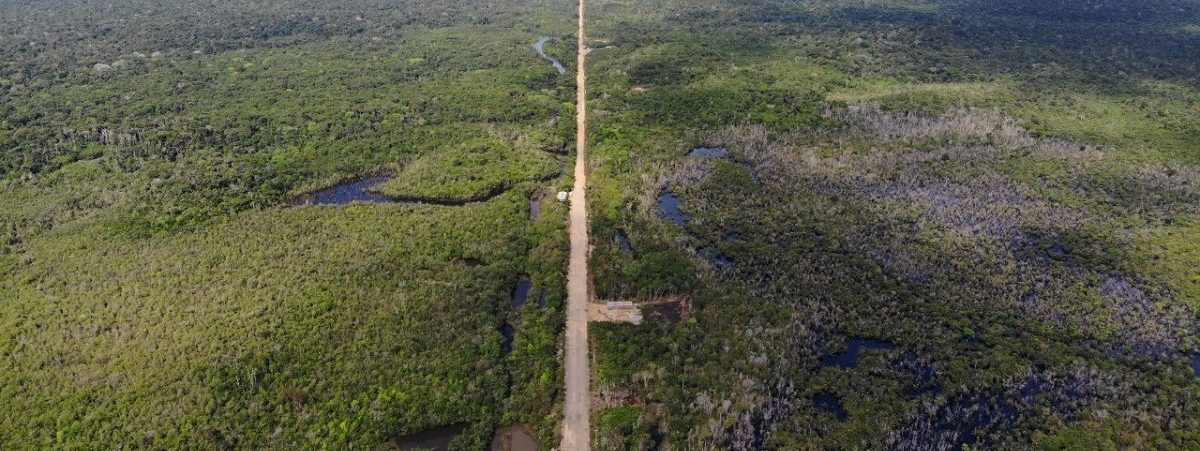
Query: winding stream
[(363, 190), (540, 45)]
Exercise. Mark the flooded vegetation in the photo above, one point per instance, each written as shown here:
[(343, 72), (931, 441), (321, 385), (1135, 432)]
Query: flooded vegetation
[(355, 190), (879, 242), (716, 257), (668, 205), (540, 47), (437, 439), (623, 241)]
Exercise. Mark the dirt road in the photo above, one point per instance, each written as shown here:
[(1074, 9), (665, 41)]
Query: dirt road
[(576, 421)]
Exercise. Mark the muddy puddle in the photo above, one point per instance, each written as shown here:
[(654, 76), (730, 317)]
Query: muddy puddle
[(356, 190), (709, 152), (520, 437), (521, 292), (668, 204), (849, 357), (830, 403), (437, 439), (670, 312), (540, 48)]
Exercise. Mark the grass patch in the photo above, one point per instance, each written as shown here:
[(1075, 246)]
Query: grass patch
[(469, 172), (1173, 255)]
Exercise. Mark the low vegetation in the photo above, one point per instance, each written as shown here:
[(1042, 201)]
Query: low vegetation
[(159, 289)]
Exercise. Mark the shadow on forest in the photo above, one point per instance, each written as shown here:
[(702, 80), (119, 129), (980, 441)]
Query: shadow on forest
[(829, 403)]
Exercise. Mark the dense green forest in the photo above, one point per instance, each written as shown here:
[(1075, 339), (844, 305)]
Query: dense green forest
[(929, 224), (160, 290), (935, 224)]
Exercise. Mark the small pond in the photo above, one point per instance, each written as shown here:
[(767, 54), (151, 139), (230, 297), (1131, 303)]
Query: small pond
[(709, 152), (849, 358), (521, 291), (356, 190), (829, 403), (437, 439), (668, 204)]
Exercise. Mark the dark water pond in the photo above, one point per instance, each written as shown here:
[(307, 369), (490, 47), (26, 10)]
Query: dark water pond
[(437, 439), (521, 292), (540, 45), (506, 344), (669, 205), (829, 403), (1195, 356), (357, 190), (709, 152), (849, 358)]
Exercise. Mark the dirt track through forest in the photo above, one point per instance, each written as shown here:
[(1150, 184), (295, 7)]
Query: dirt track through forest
[(576, 412)]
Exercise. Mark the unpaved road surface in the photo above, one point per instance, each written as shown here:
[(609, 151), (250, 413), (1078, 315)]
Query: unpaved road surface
[(576, 412)]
